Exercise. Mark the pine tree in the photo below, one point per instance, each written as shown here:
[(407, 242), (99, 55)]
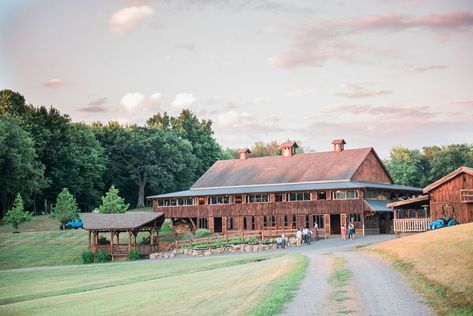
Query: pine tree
[(66, 207), (113, 203), (17, 214)]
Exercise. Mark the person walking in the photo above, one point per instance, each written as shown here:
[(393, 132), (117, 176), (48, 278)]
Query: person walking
[(283, 241), (344, 232), (304, 235), (351, 228), (298, 238), (316, 232)]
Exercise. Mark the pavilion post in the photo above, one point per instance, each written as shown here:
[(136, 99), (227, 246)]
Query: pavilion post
[(151, 238), (111, 243), (90, 239), (118, 238), (129, 240)]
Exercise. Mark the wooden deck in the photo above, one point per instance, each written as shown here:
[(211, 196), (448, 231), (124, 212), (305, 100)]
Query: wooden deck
[(410, 225)]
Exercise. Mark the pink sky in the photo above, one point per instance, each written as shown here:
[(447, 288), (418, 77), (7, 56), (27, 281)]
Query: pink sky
[(376, 73)]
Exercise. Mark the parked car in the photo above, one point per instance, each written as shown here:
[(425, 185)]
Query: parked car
[(74, 224)]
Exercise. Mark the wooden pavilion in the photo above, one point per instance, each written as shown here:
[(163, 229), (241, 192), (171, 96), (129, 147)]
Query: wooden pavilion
[(132, 223)]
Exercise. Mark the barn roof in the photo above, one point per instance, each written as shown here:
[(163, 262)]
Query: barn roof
[(309, 167), (378, 205), (324, 185), (448, 177), (130, 220)]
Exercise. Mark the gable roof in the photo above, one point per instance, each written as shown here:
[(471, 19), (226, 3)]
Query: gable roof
[(130, 220), (309, 167), (448, 177)]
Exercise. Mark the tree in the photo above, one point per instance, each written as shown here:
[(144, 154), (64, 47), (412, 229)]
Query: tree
[(198, 132), (20, 171), (447, 158), (12, 103), (66, 208), (406, 166), (113, 203), (157, 158), (17, 214)]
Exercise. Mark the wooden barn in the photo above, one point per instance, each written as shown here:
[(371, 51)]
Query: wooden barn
[(290, 191), (450, 196)]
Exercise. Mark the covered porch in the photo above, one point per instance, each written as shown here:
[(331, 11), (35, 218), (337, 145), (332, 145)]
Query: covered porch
[(411, 215), (101, 226)]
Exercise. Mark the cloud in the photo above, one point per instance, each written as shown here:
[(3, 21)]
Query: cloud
[(125, 20), (428, 68), (135, 101), (54, 83), (370, 113), (315, 44), (99, 101), (93, 109), (183, 99), (354, 91), (455, 21), (462, 102)]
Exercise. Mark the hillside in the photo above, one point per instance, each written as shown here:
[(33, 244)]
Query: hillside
[(439, 262)]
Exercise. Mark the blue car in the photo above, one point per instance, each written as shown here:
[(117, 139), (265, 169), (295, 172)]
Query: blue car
[(74, 224)]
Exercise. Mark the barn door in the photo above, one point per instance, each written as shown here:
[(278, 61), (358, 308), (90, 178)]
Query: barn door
[(343, 220), (327, 224)]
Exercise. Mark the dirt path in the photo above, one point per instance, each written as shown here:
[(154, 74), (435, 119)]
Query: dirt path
[(360, 284)]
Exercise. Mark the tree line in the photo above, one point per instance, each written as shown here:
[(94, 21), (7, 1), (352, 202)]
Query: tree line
[(419, 168), (42, 152)]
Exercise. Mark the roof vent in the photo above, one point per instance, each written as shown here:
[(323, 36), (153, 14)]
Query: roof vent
[(338, 145), (289, 148), (244, 153)]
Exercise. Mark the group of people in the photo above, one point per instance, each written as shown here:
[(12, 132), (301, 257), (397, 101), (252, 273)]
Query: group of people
[(351, 231)]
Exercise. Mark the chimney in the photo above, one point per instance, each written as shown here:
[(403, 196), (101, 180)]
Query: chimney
[(289, 148), (244, 153), (338, 145)]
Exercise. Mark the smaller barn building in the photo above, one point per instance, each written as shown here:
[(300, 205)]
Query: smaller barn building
[(450, 196)]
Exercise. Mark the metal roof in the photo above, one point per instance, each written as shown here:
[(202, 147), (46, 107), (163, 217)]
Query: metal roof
[(326, 185), (379, 205), (131, 220)]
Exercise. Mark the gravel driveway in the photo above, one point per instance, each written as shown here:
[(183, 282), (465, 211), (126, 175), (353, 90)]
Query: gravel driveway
[(374, 288)]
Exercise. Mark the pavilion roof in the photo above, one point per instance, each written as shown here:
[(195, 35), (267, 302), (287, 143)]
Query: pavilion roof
[(125, 221)]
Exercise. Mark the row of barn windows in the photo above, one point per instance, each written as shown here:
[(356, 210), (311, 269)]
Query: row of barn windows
[(261, 198), (249, 222)]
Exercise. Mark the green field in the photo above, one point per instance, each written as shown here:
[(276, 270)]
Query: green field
[(249, 284), (41, 243)]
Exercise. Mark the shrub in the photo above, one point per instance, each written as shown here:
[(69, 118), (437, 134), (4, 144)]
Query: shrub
[(66, 207), (202, 232), (187, 236), (87, 257), (134, 255), (102, 256), (113, 203), (17, 214)]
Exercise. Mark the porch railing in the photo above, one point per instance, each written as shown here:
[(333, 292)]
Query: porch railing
[(407, 225)]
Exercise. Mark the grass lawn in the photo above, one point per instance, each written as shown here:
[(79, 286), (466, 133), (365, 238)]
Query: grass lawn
[(439, 264), (231, 285)]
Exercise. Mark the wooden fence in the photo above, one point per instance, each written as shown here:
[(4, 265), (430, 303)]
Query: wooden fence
[(408, 225)]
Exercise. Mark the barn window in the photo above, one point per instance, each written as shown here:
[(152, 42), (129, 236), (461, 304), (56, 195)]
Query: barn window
[(265, 221), (286, 221), (273, 220), (319, 219), (307, 221), (344, 194), (201, 201), (298, 196), (245, 223), (230, 224), (466, 196), (294, 221), (354, 217), (258, 198), (220, 199), (253, 223), (278, 197), (321, 195), (203, 223)]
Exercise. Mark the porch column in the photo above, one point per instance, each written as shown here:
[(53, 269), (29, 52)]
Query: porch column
[(90, 239), (129, 240), (111, 243)]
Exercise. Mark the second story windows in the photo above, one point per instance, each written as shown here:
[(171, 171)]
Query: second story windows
[(298, 196), (344, 194), (176, 202), (257, 198), (221, 199)]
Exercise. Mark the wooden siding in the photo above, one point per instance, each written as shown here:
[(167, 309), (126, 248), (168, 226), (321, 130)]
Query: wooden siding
[(371, 170), (264, 209), (448, 194)]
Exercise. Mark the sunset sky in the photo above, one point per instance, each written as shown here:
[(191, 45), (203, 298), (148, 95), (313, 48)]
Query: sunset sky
[(376, 73)]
